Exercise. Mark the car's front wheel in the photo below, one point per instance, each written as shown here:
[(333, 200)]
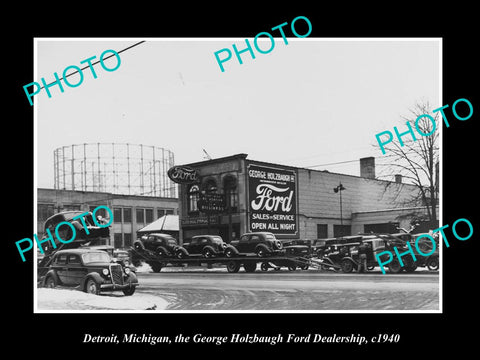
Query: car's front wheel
[(261, 251), (230, 253), (433, 263), (130, 291), (207, 253), (181, 254), (50, 282), (92, 287)]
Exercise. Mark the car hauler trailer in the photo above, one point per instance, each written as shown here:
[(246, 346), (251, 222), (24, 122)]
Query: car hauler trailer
[(233, 264)]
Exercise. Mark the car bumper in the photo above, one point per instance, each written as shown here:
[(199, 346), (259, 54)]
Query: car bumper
[(113, 287)]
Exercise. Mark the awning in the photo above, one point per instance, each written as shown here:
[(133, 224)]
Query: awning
[(164, 223)]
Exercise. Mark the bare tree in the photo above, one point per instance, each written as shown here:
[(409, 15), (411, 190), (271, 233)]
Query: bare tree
[(417, 160)]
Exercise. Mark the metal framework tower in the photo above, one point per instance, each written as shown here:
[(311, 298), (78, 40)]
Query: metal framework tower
[(118, 168)]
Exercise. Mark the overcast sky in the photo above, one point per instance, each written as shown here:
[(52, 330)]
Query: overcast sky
[(311, 102)]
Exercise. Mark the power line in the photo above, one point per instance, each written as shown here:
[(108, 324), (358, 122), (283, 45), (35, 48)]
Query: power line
[(96, 62), (342, 162)]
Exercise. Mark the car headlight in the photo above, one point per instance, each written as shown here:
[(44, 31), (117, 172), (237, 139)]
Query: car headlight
[(105, 272), (127, 270)]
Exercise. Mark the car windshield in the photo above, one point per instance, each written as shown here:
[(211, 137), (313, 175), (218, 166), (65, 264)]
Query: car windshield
[(95, 257), (269, 237)]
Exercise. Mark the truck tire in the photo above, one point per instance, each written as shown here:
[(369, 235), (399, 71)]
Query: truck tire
[(250, 266), (347, 265), (233, 266), (394, 267), (156, 266), (410, 268)]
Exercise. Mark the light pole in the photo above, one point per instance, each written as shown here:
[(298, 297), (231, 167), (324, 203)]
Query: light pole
[(339, 189)]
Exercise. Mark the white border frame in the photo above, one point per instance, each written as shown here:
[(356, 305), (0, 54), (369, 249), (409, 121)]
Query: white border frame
[(35, 168)]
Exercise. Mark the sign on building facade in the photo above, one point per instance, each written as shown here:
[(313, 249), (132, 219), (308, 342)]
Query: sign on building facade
[(272, 200)]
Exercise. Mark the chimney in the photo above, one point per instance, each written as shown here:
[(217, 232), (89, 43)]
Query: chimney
[(367, 167), (398, 178)]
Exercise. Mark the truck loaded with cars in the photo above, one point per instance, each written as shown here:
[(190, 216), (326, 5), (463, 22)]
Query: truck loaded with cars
[(346, 253)]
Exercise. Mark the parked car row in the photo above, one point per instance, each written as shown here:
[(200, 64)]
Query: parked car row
[(262, 244), (343, 253)]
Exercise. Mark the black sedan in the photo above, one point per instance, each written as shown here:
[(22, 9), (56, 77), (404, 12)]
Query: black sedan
[(89, 270)]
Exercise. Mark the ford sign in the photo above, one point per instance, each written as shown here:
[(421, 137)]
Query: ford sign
[(182, 174)]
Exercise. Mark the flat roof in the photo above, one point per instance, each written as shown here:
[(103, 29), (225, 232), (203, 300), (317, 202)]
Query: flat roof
[(244, 157)]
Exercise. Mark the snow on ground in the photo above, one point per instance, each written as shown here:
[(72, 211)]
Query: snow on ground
[(65, 299), (145, 268)]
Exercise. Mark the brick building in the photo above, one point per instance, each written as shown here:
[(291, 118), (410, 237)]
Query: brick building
[(130, 212), (240, 195)]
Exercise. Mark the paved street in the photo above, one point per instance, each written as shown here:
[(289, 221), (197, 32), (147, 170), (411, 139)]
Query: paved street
[(299, 290)]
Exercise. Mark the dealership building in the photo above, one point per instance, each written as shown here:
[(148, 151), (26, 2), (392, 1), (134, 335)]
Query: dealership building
[(232, 195)]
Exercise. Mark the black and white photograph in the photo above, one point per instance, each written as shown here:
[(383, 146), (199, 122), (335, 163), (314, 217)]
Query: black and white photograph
[(256, 183), (248, 189)]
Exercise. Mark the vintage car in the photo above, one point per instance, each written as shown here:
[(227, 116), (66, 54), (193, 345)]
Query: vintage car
[(82, 235), (334, 254), (93, 234), (119, 256), (89, 270), (376, 244), (261, 244), (163, 245), (425, 246), (204, 245)]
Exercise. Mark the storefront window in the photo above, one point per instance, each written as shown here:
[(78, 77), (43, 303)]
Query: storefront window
[(193, 197), (230, 190)]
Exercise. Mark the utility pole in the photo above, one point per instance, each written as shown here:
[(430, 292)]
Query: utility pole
[(339, 189)]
